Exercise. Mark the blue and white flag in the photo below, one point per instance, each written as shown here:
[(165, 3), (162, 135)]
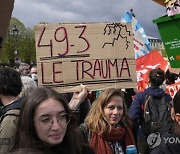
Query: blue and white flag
[(141, 42)]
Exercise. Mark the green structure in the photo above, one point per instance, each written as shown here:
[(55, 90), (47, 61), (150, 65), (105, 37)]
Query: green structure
[(169, 29)]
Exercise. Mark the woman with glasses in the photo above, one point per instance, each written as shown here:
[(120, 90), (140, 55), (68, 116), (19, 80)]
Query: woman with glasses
[(46, 124), (107, 126)]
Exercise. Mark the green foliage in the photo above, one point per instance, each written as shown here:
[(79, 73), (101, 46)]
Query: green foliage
[(20, 46)]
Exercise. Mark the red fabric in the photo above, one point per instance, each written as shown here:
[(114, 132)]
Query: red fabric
[(173, 88), (100, 144), (145, 64)]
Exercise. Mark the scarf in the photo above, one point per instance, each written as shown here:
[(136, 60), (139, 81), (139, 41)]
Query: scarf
[(100, 143)]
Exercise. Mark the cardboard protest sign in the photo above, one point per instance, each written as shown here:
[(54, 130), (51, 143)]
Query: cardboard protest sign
[(99, 55), (161, 2), (6, 8)]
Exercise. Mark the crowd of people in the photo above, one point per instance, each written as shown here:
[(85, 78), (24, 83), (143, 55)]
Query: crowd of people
[(40, 120)]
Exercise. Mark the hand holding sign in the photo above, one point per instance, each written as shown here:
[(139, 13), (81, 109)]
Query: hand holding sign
[(78, 97)]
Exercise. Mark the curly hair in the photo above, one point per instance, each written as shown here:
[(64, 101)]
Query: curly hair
[(96, 120), (10, 82)]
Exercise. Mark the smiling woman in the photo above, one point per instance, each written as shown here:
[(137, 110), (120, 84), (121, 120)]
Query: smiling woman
[(107, 126), (47, 125)]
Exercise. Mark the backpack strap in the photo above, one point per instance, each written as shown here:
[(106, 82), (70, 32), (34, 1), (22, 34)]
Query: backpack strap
[(147, 98)]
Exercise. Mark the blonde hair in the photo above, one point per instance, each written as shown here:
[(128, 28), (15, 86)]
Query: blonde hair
[(96, 120)]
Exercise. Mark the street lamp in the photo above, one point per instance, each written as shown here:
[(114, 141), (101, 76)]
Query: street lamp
[(15, 33)]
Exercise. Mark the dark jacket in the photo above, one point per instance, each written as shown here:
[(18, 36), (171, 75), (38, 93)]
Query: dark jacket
[(136, 108), (85, 133), (167, 146), (59, 149)]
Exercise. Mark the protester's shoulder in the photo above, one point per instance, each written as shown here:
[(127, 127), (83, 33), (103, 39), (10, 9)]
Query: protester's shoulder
[(83, 128), (87, 150), (21, 101), (12, 112), (139, 97), (9, 122), (11, 115), (17, 104), (168, 97), (14, 108), (141, 94), (85, 133)]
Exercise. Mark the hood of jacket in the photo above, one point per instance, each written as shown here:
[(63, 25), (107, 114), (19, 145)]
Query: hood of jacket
[(155, 91)]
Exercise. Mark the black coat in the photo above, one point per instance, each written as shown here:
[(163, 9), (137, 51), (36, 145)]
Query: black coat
[(60, 150), (170, 144)]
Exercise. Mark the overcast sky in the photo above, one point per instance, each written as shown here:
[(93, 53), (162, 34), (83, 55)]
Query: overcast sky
[(31, 12)]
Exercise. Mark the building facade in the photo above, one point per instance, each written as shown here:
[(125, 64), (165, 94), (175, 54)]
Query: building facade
[(156, 43)]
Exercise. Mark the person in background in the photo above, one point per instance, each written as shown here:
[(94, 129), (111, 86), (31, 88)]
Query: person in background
[(24, 69), (29, 85), (10, 88), (91, 96), (170, 77), (136, 110), (167, 146), (47, 124), (34, 74), (129, 93), (107, 127)]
